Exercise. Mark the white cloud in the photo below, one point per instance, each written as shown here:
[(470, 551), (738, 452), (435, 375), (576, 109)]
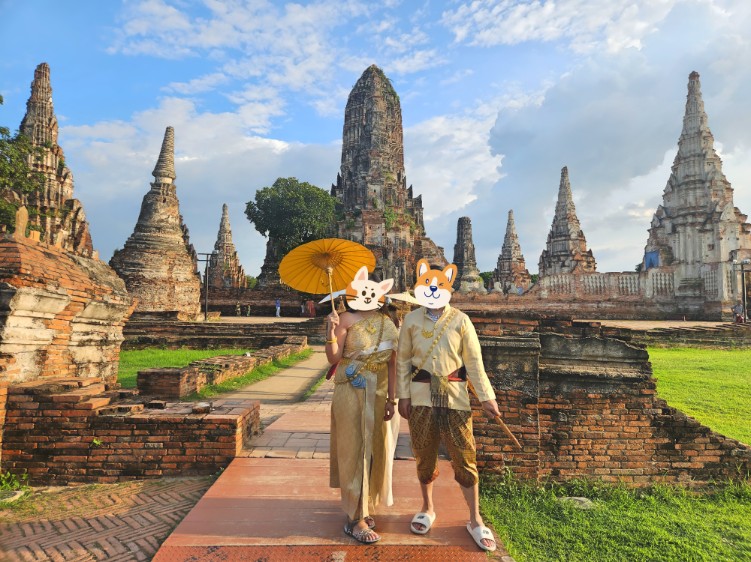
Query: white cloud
[(448, 160), (204, 83), (587, 25)]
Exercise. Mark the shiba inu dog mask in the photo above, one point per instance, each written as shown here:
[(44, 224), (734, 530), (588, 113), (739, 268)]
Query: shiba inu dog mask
[(433, 286), (364, 294)]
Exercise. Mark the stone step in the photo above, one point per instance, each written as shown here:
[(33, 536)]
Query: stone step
[(79, 394)]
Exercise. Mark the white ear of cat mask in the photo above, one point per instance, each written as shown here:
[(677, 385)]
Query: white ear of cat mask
[(364, 294)]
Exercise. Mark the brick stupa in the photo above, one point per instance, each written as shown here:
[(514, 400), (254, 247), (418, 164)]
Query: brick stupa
[(62, 310), (158, 263), (467, 276), (225, 270), (371, 188), (566, 250), (511, 271), (697, 231)]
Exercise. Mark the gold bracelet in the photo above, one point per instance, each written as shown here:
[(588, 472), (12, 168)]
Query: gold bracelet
[(392, 402), (332, 341)]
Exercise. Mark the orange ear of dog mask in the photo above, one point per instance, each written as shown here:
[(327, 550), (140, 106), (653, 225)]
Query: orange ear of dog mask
[(433, 287), (363, 294)]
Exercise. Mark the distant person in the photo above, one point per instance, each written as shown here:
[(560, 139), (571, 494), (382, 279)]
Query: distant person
[(278, 304), (238, 309), (247, 313), (302, 308), (738, 313), (311, 309)]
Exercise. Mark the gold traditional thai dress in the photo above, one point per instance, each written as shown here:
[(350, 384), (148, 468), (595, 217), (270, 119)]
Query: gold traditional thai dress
[(362, 443)]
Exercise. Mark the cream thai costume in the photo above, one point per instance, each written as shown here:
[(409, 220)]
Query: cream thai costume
[(362, 443), (448, 352)]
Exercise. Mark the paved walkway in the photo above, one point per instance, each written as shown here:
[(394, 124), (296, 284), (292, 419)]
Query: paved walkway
[(273, 503)]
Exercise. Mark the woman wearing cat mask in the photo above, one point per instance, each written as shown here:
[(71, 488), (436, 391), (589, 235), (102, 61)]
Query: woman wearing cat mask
[(363, 343)]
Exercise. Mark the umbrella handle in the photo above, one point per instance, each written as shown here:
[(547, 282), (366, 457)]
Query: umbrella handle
[(331, 289)]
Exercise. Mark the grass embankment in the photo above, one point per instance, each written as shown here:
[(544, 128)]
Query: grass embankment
[(135, 360), (656, 524), (132, 361)]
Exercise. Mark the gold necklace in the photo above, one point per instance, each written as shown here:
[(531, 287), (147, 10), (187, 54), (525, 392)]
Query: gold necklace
[(427, 335), (370, 325)]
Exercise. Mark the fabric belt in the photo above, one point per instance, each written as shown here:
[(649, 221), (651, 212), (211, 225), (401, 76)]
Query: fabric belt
[(460, 375)]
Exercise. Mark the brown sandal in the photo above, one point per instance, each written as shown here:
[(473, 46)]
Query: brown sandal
[(365, 536)]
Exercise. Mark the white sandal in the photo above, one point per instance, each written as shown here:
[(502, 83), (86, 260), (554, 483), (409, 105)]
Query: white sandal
[(479, 533), (424, 519)]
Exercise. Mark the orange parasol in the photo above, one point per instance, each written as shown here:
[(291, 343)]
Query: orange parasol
[(324, 266)]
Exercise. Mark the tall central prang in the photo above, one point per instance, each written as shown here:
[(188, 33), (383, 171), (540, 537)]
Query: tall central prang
[(377, 207)]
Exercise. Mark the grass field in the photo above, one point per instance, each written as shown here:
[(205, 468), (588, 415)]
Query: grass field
[(711, 385), (132, 361), (656, 524)]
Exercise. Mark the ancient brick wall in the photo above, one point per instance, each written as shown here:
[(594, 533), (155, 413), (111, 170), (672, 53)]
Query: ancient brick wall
[(586, 407), (3, 401), (66, 430), (212, 335), (176, 383), (60, 313)]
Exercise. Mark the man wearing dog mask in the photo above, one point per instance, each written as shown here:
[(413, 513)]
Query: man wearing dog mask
[(438, 352)]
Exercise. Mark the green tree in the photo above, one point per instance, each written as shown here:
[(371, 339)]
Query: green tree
[(252, 281), (291, 213), (16, 178), (486, 277)]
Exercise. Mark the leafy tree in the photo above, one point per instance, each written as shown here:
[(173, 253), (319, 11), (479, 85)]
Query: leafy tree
[(486, 276), (291, 213), (252, 281), (16, 178)]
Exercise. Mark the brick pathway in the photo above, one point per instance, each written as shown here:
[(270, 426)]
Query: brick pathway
[(113, 522)]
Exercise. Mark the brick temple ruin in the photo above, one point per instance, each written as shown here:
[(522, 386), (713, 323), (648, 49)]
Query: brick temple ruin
[(225, 270), (371, 190), (377, 207), (63, 416), (690, 266), (510, 273), (580, 398), (467, 275), (158, 262)]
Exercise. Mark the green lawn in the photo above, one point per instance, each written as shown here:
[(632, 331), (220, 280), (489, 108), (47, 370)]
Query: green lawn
[(132, 361), (711, 385), (656, 524)]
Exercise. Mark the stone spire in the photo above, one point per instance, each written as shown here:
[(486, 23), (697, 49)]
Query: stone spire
[(164, 171), (467, 275), (372, 170), (371, 187), (158, 263), (225, 270), (40, 124), (60, 219), (566, 249), (697, 223), (511, 270)]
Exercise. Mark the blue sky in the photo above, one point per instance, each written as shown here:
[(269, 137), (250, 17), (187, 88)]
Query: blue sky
[(496, 98)]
